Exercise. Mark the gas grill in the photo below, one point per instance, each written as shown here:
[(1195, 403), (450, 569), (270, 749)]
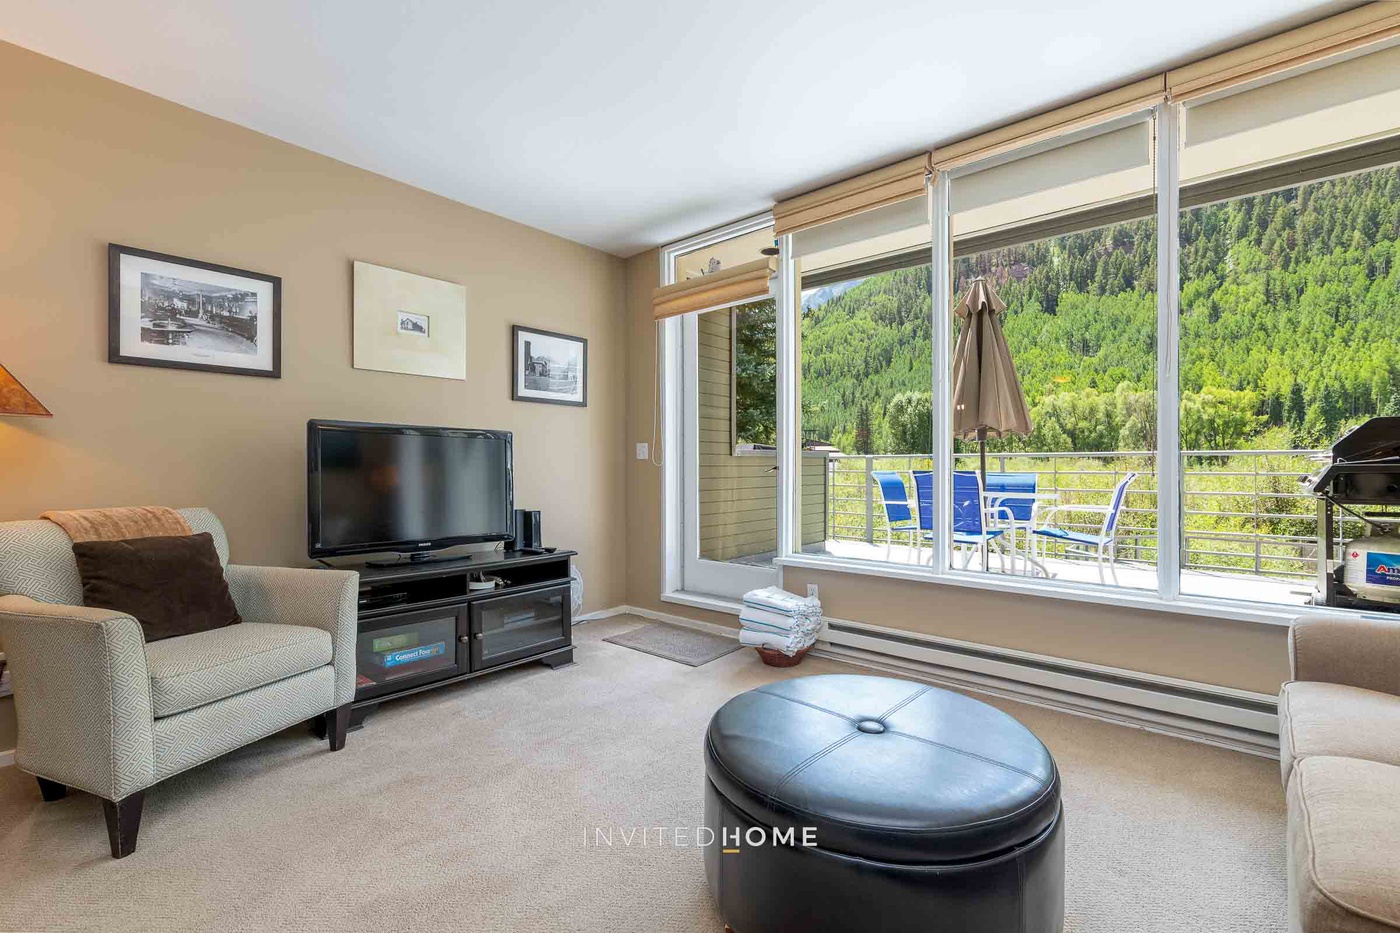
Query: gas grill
[(1361, 482)]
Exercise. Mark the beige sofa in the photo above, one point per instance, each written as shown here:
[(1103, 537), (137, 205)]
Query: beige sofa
[(1339, 737)]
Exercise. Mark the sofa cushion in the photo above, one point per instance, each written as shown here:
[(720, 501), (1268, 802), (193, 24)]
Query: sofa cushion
[(1344, 845), (192, 670), (1334, 719), (172, 584)]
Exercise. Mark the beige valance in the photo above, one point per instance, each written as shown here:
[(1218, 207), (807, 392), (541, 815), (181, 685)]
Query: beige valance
[(1071, 118), (884, 186), (1346, 33), (748, 282)]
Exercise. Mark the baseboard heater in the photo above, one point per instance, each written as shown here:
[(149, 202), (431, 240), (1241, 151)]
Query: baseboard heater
[(1223, 716)]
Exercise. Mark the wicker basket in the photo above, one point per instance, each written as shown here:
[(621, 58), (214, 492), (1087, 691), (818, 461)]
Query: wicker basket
[(775, 658)]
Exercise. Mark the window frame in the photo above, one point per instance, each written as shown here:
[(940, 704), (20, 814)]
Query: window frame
[(1167, 598)]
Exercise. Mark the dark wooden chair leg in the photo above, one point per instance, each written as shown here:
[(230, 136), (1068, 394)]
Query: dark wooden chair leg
[(123, 822), (51, 790), (338, 721), (318, 726)]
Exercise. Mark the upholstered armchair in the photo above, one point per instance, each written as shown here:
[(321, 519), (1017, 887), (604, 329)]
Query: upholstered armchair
[(102, 710)]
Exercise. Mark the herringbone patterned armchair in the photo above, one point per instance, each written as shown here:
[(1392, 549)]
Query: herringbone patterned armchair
[(101, 710)]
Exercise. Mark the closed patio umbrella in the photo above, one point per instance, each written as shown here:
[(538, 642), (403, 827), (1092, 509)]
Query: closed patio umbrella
[(987, 393)]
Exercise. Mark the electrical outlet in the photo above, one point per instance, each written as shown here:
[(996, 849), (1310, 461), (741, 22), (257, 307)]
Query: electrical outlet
[(643, 451), (812, 591)]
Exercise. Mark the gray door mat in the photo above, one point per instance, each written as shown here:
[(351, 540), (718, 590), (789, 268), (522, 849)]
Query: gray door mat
[(677, 643)]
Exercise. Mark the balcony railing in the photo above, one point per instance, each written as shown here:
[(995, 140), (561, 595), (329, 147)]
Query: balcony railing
[(1244, 511)]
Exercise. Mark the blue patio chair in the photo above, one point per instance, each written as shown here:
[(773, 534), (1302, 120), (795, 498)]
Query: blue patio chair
[(898, 515), (1104, 544), (1011, 501), (1002, 491), (970, 514)]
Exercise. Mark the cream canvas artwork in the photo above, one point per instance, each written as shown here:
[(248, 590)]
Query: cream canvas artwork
[(406, 323)]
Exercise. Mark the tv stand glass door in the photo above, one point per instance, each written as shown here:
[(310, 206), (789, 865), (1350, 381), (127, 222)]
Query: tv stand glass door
[(408, 649), (507, 628)]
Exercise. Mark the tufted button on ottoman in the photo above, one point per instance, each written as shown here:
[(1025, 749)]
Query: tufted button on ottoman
[(845, 802)]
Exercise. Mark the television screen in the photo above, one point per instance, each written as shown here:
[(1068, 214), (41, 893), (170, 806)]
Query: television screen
[(401, 488)]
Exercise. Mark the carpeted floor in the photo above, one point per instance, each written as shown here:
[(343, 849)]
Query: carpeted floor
[(474, 807)]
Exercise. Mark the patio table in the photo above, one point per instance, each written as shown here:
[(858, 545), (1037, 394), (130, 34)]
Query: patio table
[(993, 502)]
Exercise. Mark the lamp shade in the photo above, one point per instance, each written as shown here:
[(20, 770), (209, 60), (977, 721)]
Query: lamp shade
[(15, 399)]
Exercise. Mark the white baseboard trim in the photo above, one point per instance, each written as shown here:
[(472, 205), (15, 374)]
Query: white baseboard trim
[(7, 758)]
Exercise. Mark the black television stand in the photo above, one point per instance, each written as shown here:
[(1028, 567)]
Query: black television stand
[(421, 625)]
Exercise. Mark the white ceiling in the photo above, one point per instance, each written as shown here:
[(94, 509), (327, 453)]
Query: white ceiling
[(628, 123)]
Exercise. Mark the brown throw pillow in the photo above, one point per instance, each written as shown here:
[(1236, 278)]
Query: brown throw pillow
[(172, 585)]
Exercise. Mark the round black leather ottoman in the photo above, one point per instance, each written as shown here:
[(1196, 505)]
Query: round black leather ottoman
[(844, 802)]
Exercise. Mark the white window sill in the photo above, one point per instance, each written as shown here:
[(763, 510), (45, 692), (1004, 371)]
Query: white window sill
[(1236, 611), (701, 601)]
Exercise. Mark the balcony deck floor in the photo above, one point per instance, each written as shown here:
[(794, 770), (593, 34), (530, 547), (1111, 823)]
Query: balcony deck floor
[(1237, 586)]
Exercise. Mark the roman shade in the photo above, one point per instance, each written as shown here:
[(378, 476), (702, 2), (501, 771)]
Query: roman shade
[(902, 181), (1364, 28), (1063, 121), (747, 282), (859, 238), (1315, 109), (1092, 169)]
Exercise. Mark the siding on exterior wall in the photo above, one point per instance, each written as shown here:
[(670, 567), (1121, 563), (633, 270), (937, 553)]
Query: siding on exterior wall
[(739, 494)]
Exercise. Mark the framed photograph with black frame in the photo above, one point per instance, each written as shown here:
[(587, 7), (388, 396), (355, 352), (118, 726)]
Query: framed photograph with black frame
[(184, 314), (549, 367)]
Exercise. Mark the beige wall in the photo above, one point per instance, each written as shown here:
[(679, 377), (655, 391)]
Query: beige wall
[(1245, 655), (643, 550), (85, 161)]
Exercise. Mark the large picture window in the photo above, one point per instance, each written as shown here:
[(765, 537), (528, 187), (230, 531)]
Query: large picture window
[(1290, 314), (1055, 266), (863, 325)]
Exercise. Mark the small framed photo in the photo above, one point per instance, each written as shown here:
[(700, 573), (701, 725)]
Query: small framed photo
[(407, 323), (414, 325), (184, 314), (549, 367)]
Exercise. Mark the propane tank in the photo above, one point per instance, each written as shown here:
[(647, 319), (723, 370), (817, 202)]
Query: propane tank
[(1371, 567)]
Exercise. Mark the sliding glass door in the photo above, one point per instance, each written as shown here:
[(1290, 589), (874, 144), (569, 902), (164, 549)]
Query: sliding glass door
[(730, 475)]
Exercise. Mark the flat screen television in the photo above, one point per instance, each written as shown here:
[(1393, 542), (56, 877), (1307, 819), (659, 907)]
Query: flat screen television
[(405, 488)]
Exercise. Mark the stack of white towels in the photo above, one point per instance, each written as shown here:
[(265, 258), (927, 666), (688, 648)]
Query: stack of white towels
[(775, 618)]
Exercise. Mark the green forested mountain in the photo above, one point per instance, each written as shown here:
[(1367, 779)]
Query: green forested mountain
[(1290, 309)]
